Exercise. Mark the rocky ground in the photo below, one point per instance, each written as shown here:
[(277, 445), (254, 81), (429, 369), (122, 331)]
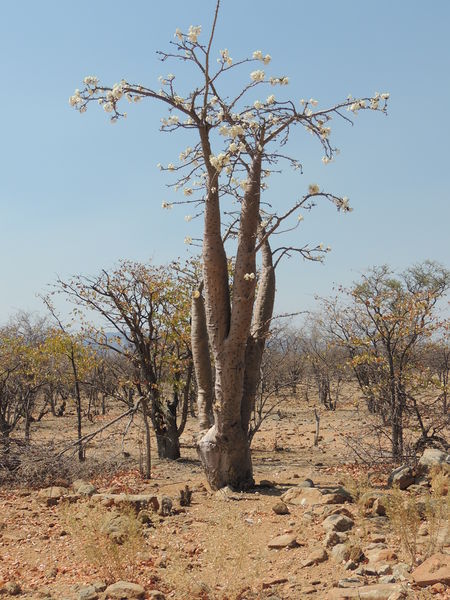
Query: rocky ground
[(315, 526)]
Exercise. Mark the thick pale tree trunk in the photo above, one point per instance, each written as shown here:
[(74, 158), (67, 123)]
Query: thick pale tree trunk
[(202, 362), (224, 450)]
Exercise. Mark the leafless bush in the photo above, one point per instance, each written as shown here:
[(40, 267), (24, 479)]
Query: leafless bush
[(38, 465)]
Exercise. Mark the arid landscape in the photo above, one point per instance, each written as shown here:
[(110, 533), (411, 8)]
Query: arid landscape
[(72, 540), (215, 382)]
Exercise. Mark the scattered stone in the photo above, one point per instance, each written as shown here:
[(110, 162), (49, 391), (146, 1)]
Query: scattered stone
[(401, 477), (385, 555), (287, 540), (306, 483), (52, 495), (337, 523), (266, 483), (400, 571), (272, 582), (333, 538), (303, 496), (87, 593), (310, 589), (435, 569), (123, 590), (340, 553), (136, 501), (155, 595), (280, 508), (86, 489), (431, 458), (316, 557), (387, 579), (350, 582), (368, 592)]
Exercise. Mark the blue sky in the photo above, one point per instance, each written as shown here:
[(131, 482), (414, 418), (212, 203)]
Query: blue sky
[(77, 194)]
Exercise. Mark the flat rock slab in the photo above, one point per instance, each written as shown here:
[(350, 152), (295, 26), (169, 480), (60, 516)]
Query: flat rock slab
[(435, 569), (136, 501), (303, 496), (287, 540), (124, 590), (379, 591)]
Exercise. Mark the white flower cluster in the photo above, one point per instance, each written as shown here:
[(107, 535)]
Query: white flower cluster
[(166, 205), (279, 80), (226, 58), (219, 161), (188, 218), (344, 205), (270, 99), (257, 75), (313, 188), (76, 98), (249, 276), (188, 239), (233, 131), (91, 80), (194, 32), (258, 55)]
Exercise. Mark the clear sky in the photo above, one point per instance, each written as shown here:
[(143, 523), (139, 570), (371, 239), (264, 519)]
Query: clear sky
[(77, 194)]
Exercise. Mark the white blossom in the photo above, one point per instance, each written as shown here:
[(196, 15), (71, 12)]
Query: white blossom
[(178, 33), (257, 75), (188, 218), (270, 99), (300, 218), (384, 96), (257, 104), (167, 205), (313, 102), (321, 246), (194, 32), (91, 80), (226, 57), (249, 276), (313, 188), (187, 191), (108, 107), (188, 239)]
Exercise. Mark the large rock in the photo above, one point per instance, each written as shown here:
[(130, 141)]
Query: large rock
[(123, 590), (340, 553), (435, 569), (52, 495), (401, 477), (315, 557), (432, 458), (379, 591), (287, 540), (337, 523), (303, 496)]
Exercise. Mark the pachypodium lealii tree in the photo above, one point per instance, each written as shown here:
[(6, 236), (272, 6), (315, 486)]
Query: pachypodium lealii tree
[(238, 143)]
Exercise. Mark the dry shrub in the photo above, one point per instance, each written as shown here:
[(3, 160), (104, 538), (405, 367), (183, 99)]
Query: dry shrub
[(437, 509), (225, 564), (115, 556), (404, 516), (405, 512), (38, 465)]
